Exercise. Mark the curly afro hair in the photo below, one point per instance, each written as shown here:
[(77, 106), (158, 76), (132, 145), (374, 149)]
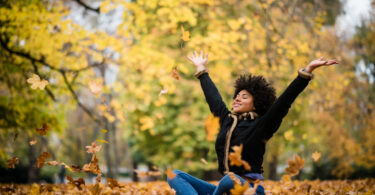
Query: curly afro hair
[(264, 94)]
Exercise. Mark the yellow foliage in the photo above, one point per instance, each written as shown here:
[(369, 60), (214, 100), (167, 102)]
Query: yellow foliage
[(212, 127)]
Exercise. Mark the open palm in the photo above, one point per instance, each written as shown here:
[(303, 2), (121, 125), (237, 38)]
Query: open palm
[(198, 61), (320, 62)]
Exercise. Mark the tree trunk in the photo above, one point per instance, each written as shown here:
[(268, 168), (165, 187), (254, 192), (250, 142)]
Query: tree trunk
[(272, 167), (33, 172), (115, 150), (107, 152), (134, 175)]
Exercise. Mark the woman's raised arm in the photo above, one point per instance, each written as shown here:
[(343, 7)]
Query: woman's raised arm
[(271, 121), (213, 97)]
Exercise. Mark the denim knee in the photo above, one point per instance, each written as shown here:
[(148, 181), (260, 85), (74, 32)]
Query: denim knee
[(226, 182), (177, 172)]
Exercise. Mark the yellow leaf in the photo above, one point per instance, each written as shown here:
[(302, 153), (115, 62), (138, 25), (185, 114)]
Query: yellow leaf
[(36, 82), (185, 34), (102, 141), (104, 130)]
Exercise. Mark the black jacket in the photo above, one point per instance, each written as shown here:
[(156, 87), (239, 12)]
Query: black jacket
[(253, 134)]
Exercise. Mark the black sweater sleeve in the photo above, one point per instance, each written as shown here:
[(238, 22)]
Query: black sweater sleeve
[(271, 121), (213, 97)]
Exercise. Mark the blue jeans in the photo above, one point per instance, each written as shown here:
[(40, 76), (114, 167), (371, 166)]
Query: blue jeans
[(185, 184)]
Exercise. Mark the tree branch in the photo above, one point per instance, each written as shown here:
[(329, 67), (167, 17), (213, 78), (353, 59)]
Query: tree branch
[(97, 10), (88, 112), (62, 71), (42, 61)]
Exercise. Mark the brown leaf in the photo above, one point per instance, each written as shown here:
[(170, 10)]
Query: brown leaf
[(44, 129), (12, 162), (93, 148), (95, 189), (316, 156), (98, 178), (33, 142), (175, 73), (112, 183), (76, 168), (77, 183), (295, 165), (42, 158), (93, 166)]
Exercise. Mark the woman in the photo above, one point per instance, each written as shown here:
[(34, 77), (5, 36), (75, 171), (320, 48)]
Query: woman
[(256, 115)]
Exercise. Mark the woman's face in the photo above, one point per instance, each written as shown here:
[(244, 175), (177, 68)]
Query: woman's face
[(243, 102)]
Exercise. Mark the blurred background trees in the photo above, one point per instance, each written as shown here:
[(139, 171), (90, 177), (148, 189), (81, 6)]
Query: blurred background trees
[(127, 51)]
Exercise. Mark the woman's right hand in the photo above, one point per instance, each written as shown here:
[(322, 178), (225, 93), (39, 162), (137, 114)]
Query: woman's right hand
[(199, 61)]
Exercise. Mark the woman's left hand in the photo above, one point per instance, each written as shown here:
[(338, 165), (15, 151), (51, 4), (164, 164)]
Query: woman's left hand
[(318, 63)]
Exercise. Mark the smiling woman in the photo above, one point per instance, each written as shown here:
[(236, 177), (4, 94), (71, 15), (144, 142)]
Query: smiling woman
[(255, 117)]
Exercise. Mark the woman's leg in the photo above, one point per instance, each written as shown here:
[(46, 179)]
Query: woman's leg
[(226, 184), (185, 184)]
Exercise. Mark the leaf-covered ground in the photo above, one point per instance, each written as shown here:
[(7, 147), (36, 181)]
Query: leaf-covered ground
[(366, 186)]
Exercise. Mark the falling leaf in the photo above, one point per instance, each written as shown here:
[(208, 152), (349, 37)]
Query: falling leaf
[(141, 174), (98, 178), (93, 148), (212, 127), (33, 142), (44, 129), (185, 34), (53, 163), (96, 86), (235, 158), (170, 173), (316, 156), (295, 165), (93, 166), (204, 161), (42, 158), (104, 130), (239, 189), (175, 73), (154, 173), (285, 178), (246, 165), (102, 141), (67, 166), (12, 162), (163, 91), (76, 168), (36, 82)]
